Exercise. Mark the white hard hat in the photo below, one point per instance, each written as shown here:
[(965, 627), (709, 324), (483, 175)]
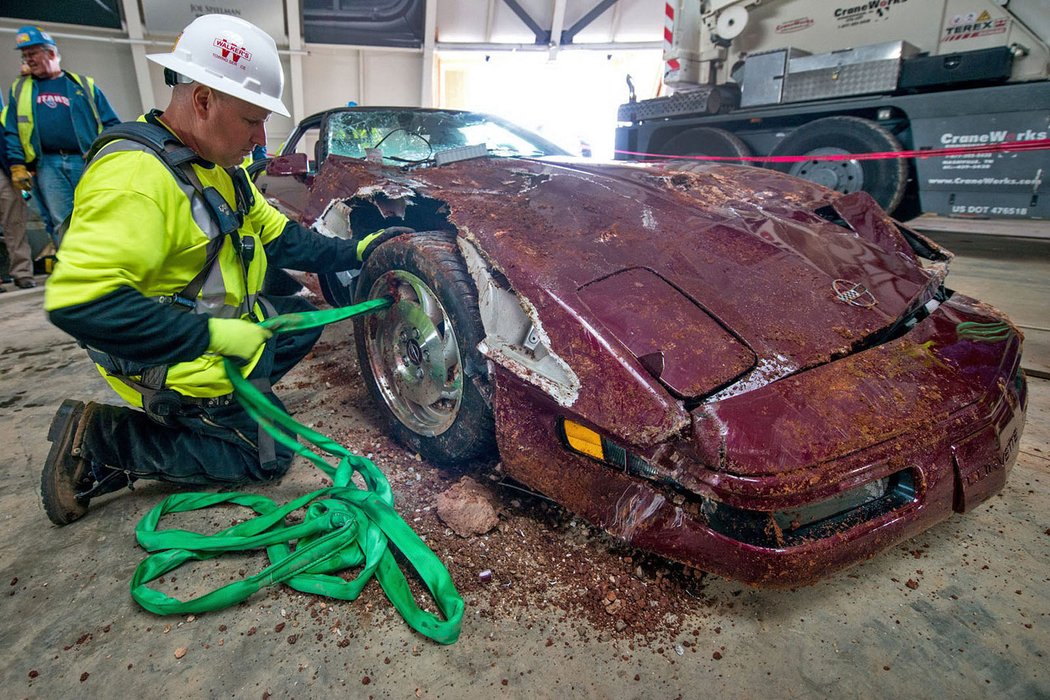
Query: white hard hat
[(231, 55)]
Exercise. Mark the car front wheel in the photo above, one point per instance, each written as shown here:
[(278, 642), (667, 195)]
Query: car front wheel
[(419, 357)]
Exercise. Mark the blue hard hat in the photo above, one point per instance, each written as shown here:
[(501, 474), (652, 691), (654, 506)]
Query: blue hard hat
[(32, 36)]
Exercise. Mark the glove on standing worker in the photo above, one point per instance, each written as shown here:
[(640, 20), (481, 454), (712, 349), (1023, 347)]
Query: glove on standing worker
[(21, 178)]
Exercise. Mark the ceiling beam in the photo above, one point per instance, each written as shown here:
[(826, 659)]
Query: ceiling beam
[(490, 21), (542, 37), (293, 17), (569, 34), (426, 98)]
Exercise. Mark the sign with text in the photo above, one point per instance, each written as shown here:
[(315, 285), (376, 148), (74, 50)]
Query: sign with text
[(172, 16)]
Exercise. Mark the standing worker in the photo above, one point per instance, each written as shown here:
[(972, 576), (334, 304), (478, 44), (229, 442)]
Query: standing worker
[(160, 274), (53, 117)]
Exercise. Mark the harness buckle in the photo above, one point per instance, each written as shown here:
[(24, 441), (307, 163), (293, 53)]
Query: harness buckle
[(177, 300)]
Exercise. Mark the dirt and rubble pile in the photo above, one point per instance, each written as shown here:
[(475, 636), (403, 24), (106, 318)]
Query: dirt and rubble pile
[(535, 559)]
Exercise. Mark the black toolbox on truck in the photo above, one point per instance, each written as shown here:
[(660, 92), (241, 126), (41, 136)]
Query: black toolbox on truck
[(981, 66)]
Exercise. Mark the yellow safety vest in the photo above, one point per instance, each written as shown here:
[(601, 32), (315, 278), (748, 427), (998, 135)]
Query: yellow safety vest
[(23, 101), (135, 225)]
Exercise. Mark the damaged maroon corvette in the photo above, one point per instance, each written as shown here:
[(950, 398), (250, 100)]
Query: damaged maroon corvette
[(727, 366)]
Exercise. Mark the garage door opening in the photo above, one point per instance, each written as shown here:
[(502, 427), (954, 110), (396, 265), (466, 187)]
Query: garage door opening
[(571, 100)]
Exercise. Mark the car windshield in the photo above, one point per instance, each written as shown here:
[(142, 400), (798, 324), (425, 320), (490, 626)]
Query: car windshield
[(415, 136)]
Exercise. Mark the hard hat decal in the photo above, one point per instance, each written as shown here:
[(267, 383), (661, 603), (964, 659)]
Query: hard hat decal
[(232, 53), (213, 51), (21, 38)]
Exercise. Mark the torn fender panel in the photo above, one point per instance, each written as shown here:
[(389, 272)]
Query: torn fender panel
[(602, 383), (514, 334)]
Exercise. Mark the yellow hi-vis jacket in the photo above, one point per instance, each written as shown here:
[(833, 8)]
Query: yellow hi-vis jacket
[(134, 225), (90, 112)]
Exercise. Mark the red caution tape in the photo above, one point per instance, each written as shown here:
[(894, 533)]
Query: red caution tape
[(1010, 146)]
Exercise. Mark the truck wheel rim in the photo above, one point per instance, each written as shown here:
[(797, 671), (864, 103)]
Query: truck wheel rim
[(413, 354), (843, 176)]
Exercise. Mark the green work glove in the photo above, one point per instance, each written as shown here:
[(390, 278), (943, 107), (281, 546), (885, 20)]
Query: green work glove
[(21, 178), (369, 243), (235, 337)]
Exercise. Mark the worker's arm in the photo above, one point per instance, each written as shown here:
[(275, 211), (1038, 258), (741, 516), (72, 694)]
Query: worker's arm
[(126, 324), (299, 248), (123, 246)]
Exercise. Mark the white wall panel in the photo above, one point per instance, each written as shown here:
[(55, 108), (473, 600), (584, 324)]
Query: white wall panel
[(393, 79), (331, 77)]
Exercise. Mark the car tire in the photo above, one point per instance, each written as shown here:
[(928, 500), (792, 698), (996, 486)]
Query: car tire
[(706, 141), (419, 358), (334, 291), (885, 180)]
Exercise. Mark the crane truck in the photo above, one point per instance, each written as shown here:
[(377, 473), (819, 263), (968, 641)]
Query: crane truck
[(819, 78)]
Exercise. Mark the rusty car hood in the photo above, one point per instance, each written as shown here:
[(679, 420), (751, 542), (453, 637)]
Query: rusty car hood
[(742, 244), (706, 280)]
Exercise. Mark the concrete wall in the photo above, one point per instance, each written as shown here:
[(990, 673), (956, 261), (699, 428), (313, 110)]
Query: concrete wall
[(335, 75)]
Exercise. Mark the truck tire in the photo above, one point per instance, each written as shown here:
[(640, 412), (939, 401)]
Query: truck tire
[(885, 180), (419, 358), (706, 141)]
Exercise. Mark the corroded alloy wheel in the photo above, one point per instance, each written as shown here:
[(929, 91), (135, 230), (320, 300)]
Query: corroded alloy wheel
[(419, 357), (413, 354)]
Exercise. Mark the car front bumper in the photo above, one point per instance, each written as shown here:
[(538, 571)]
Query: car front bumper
[(784, 507)]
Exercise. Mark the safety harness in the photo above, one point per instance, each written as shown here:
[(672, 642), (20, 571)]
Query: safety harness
[(206, 292)]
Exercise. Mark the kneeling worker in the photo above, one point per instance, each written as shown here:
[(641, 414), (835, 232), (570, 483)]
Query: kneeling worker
[(160, 274)]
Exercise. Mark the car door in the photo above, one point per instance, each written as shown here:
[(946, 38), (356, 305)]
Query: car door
[(286, 179)]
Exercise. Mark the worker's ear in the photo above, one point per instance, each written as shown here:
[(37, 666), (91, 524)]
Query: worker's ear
[(203, 100)]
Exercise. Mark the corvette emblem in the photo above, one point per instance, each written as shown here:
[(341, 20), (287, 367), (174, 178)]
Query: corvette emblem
[(854, 294)]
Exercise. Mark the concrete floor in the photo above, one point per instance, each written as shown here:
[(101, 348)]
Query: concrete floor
[(960, 611)]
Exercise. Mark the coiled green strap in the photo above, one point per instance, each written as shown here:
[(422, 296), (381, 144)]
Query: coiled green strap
[(344, 527)]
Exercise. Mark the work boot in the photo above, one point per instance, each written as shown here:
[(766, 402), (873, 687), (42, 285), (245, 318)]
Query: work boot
[(69, 480), (65, 473), (25, 282)]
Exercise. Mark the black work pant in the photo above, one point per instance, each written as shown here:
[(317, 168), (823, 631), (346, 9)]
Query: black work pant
[(201, 444)]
